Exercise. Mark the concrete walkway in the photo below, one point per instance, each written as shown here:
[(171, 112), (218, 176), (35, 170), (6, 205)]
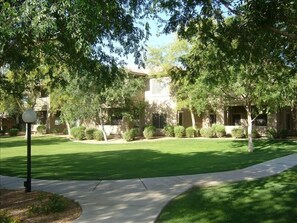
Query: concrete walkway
[(141, 200)]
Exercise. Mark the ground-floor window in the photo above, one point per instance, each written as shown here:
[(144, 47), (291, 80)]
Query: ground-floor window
[(212, 119), (159, 120), (261, 120), (236, 119)]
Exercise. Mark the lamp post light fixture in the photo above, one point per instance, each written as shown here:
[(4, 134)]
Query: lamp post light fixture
[(29, 117)]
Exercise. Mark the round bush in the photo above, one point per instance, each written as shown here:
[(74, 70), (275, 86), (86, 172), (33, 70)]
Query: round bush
[(78, 132), (90, 133), (283, 133), (41, 129), (98, 135), (190, 132), (219, 130), (238, 133), (168, 131), (255, 134), (207, 132), (13, 132), (130, 135), (179, 131), (149, 132), (271, 133)]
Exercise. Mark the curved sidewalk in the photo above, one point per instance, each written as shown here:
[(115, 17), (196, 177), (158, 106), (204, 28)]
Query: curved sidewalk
[(141, 200)]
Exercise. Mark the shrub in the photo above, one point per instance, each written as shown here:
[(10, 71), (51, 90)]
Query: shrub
[(179, 131), (13, 132), (44, 206), (255, 134), (6, 218), (219, 130), (190, 132), (3, 131), (78, 132), (207, 132), (168, 131), (198, 132), (98, 135), (41, 129), (65, 131), (237, 133), (149, 132), (90, 133), (283, 133), (130, 135), (271, 133)]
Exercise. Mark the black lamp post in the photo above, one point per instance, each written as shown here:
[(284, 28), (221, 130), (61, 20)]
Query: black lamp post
[(28, 117)]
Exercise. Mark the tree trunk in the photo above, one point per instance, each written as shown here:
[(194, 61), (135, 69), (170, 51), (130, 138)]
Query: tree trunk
[(68, 128), (193, 119), (250, 128), (102, 125)]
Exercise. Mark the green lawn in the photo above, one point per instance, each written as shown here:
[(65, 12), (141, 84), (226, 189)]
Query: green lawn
[(58, 158), (270, 200)]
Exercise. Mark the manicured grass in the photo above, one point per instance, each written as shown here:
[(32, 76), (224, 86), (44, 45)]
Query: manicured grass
[(59, 158), (272, 200)]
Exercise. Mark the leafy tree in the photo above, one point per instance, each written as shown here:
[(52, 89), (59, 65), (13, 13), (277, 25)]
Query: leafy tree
[(81, 35)]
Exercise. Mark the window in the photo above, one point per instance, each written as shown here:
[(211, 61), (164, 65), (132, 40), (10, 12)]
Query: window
[(159, 120), (212, 119), (115, 116), (180, 118), (261, 120), (236, 119)]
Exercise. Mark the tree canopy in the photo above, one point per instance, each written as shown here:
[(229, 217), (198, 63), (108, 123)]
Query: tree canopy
[(80, 34)]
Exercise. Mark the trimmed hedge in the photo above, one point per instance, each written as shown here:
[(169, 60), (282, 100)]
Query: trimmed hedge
[(98, 135), (168, 131), (13, 132), (130, 135), (149, 132), (90, 133), (238, 133), (179, 131), (41, 129), (271, 133), (190, 132), (207, 132), (219, 130), (78, 132)]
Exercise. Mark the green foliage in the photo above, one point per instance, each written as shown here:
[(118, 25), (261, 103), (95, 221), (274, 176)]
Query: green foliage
[(238, 132), (6, 218), (283, 133), (219, 130), (149, 132), (78, 132), (3, 131), (65, 131), (179, 131), (13, 132), (41, 129), (168, 130), (255, 133), (90, 133), (207, 132), (271, 133), (45, 206), (98, 135), (190, 132), (130, 134)]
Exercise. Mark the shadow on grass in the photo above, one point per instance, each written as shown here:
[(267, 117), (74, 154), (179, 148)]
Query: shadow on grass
[(125, 164), (268, 200), (19, 141)]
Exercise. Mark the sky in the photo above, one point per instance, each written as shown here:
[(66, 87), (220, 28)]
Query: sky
[(155, 40)]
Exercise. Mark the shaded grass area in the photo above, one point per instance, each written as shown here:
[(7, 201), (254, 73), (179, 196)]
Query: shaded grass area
[(58, 158), (272, 200)]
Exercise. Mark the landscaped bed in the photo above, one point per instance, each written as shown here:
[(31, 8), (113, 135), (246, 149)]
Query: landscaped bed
[(17, 206), (272, 200), (60, 158)]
